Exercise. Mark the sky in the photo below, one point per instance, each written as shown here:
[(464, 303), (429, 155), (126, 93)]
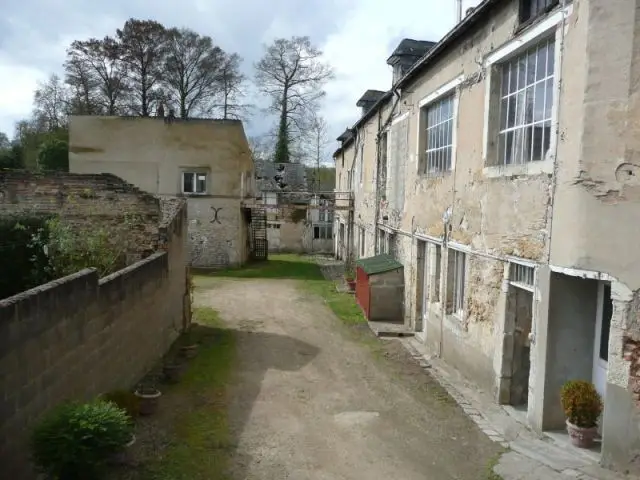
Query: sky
[(356, 36)]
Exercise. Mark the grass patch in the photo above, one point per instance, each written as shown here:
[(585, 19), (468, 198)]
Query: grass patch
[(490, 474), (282, 266), (201, 444), (342, 304)]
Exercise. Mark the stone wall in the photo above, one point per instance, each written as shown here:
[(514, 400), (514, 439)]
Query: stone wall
[(79, 336), (87, 201)]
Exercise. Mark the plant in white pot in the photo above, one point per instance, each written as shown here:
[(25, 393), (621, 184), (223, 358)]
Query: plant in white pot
[(582, 405)]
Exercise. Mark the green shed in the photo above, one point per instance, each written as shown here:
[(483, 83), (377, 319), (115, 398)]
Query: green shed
[(380, 288)]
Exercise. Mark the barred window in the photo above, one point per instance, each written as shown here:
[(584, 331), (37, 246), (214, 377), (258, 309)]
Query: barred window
[(526, 105), (439, 136)]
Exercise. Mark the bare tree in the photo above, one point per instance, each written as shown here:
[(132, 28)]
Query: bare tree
[(192, 71), (143, 46), (50, 102), (232, 88), (292, 74), (97, 74), (83, 86), (261, 147)]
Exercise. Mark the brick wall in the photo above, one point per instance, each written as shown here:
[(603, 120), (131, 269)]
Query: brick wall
[(79, 336), (87, 201)]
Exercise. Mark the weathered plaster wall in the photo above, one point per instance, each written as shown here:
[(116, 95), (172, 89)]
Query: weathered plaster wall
[(152, 154), (216, 237)]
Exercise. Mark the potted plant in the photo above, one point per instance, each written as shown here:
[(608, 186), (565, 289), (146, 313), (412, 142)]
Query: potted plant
[(148, 395), (582, 405), (350, 278), (188, 344), (173, 370), (77, 441)]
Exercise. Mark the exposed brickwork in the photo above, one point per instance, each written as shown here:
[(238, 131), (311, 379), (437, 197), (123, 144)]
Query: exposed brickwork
[(79, 336), (631, 352), (87, 200)]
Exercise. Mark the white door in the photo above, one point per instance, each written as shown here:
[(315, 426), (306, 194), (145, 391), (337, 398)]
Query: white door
[(601, 347)]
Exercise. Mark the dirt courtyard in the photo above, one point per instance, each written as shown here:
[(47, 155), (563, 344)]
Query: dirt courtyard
[(313, 398)]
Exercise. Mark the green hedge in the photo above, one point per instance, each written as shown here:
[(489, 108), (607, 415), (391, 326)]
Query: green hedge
[(23, 260)]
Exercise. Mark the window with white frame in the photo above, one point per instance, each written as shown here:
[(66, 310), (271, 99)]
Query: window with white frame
[(194, 183), (323, 232), (456, 273), (526, 102), (522, 276), (530, 9), (439, 123)]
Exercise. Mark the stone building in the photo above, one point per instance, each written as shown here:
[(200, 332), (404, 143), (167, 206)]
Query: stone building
[(501, 169), (299, 217), (206, 161)]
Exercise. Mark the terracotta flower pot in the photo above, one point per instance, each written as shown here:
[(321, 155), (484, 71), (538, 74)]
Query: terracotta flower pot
[(148, 401), (189, 351), (173, 372), (580, 436)]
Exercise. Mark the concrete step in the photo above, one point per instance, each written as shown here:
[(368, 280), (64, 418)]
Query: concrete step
[(388, 329)]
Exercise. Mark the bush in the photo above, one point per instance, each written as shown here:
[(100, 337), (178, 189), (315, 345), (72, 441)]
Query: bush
[(75, 441), (581, 403), (23, 257), (125, 400)]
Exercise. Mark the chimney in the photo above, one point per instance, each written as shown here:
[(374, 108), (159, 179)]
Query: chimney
[(459, 2)]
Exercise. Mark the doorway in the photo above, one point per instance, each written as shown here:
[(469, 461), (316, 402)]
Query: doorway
[(604, 313), (518, 323), (521, 359)]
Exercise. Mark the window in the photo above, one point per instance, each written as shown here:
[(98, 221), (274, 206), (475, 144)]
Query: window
[(530, 9), (361, 240), (526, 102), (361, 164), (323, 232), (194, 182), (455, 281), (521, 276), (391, 244), (383, 163), (439, 135), (270, 198)]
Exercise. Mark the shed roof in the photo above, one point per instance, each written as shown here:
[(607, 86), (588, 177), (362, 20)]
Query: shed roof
[(378, 264)]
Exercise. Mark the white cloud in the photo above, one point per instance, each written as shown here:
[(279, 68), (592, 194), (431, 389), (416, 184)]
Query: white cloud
[(357, 37), (359, 51)]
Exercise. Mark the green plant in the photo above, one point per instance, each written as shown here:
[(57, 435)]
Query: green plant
[(23, 253), (75, 441), (72, 248), (125, 400), (349, 273), (581, 403)]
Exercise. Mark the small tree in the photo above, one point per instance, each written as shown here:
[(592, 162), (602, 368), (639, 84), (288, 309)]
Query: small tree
[(54, 155)]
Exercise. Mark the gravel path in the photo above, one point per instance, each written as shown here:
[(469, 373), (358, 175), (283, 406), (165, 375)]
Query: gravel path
[(314, 400)]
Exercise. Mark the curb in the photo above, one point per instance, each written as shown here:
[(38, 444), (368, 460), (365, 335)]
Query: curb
[(469, 409)]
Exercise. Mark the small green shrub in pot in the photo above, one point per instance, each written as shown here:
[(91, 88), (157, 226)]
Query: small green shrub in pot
[(582, 406), (76, 441)]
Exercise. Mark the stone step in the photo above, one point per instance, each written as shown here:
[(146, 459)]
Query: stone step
[(389, 329)]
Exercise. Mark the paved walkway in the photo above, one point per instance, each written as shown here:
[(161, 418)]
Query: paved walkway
[(317, 400), (531, 456)]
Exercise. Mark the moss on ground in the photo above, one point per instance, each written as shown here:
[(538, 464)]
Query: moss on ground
[(201, 444)]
